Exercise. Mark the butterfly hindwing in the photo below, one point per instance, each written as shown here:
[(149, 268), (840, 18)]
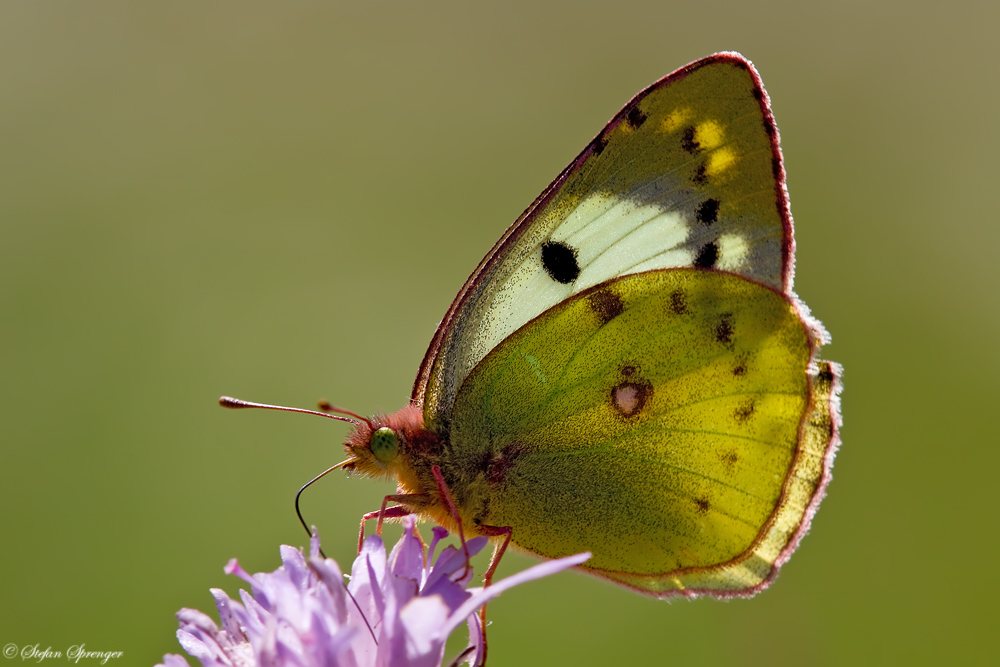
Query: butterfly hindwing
[(688, 174), (653, 421)]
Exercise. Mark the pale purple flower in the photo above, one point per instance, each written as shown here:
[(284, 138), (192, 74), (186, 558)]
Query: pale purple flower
[(399, 610)]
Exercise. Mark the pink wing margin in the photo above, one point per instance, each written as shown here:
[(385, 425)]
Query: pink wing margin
[(525, 219)]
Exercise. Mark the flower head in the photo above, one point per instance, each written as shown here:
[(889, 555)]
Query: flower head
[(396, 610)]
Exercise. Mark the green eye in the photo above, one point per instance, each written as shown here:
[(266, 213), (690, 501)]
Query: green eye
[(385, 444)]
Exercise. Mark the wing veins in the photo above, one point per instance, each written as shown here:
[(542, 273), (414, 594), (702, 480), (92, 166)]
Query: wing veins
[(658, 462)]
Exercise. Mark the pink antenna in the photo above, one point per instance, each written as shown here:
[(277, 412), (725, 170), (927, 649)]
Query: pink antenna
[(326, 406), (238, 404)]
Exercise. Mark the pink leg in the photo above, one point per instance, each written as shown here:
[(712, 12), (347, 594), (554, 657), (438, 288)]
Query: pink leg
[(498, 552), (446, 496), (388, 513)]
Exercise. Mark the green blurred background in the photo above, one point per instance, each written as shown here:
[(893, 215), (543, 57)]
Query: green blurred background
[(278, 201)]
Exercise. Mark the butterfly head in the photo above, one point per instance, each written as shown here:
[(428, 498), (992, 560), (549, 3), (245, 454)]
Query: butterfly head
[(384, 445)]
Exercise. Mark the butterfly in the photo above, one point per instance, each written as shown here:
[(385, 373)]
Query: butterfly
[(628, 371)]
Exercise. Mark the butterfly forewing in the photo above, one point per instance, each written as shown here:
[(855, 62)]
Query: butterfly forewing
[(688, 174)]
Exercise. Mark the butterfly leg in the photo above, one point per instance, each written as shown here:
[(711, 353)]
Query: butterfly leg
[(446, 496), (498, 552), (384, 512)]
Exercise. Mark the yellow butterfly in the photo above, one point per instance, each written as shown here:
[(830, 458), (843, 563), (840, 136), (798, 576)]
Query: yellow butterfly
[(628, 371)]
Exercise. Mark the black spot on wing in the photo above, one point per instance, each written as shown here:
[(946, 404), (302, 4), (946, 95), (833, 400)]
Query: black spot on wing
[(740, 369), (636, 117), (724, 329), (758, 94), (606, 304), (700, 176), (708, 255), (559, 261), (688, 143), (703, 505), (678, 302), (729, 458), (600, 144), (707, 211), (744, 412)]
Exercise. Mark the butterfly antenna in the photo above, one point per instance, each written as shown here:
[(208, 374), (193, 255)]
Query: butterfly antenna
[(326, 406), (238, 404), (306, 486)]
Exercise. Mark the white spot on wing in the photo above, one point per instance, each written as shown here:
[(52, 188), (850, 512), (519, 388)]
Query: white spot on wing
[(627, 398), (732, 251)]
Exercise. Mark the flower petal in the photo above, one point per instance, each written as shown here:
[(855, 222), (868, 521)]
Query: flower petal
[(295, 566), (267, 646), (486, 594), (198, 619), (207, 652), (420, 644), (406, 563), (173, 660), (333, 580), (256, 614), (439, 534), (229, 619), (378, 597), (475, 640), (452, 558)]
